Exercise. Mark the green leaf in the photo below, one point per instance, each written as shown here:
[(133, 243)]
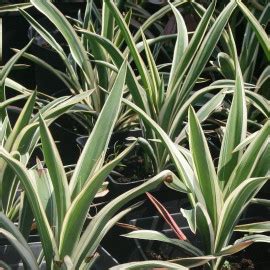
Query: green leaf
[(7, 177), (233, 208), (14, 7), (262, 167), (156, 17), (259, 102), (148, 265), (57, 173), (249, 160), (199, 221), (258, 227), (3, 129), (157, 236), (9, 65), (119, 38), (206, 48), (203, 113), (96, 145), (152, 41), (48, 242), (88, 13), (103, 74), (263, 202), (204, 168), (5, 266), (263, 81), (183, 168), (154, 75), (181, 44), (182, 67), (43, 33), (246, 141), (86, 243), (256, 238), (136, 91), (107, 30), (148, 149), (103, 232), (45, 191), (226, 65), (236, 128), (176, 184), (76, 215), (4, 72), (190, 216), (62, 105), (132, 46), (17, 87), (29, 136), (8, 226), (25, 216), (257, 28), (193, 261), (9, 101), (205, 227), (22, 121), (229, 250), (177, 122)]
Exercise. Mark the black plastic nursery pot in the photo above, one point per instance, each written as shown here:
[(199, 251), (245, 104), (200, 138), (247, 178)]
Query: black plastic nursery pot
[(118, 137), (256, 256), (258, 253), (124, 181), (11, 257), (126, 249), (64, 132), (153, 250), (117, 188), (46, 82), (256, 213), (171, 199), (14, 35)]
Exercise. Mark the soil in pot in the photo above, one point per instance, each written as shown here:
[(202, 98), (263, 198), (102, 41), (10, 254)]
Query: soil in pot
[(254, 257), (133, 170)]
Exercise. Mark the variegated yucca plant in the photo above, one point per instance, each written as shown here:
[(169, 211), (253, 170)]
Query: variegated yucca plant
[(163, 95), (218, 196), (82, 70), (65, 241), (255, 67), (166, 96), (162, 100), (21, 139)]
